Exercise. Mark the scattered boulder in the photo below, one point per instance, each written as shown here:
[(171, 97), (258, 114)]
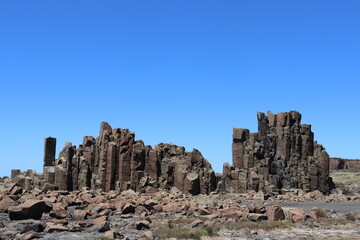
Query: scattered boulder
[(297, 215), (6, 202), (110, 234), (28, 235), (144, 224), (196, 223), (256, 217), (30, 209), (128, 208), (80, 214), (59, 213), (275, 213), (55, 228)]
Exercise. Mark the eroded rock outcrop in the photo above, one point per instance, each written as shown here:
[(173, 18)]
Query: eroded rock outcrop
[(340, 163), (282, 154), (116, 161)]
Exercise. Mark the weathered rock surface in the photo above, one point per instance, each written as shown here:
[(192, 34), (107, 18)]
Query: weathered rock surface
[(30, 209), (105, 215), (116, 161), (282, 154)]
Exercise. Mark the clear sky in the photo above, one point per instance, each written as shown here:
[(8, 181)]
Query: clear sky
[(185, 72)]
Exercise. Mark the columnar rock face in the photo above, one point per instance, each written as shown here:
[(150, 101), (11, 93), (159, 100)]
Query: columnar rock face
[(49, 159), (49, 151), (282, 154), (27, 180), (116, 161)]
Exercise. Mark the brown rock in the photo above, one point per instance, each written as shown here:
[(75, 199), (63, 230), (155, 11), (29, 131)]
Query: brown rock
[(128, 208), (144, 224), (196, 223), (104, 227), (149, 204), (29, 209), (80, 214), (158, 207), (99, 220), (255, 217), (147, 235), (109, 234), (171, 208), (192, 183), (317, 213), (28, 235), (48, 187), (44, 224), (15, 190), (275, 213), (55, 228), (6, 202), (58, 213), (297, 215)]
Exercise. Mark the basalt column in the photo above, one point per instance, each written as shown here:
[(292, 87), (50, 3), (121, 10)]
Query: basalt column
[(49, 159), (283, 154)]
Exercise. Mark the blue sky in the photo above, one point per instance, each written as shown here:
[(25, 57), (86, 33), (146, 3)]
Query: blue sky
[(185, 72)]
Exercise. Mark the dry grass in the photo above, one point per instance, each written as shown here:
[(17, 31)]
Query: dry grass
[(266, 225), (320, 213), (335, 221), (345, 176), (179, 232), (350, 217)]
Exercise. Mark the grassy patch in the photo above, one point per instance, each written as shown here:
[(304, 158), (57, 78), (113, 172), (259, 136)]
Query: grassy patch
[(345, 177), (320, 213), (178, 232), (335, 221), (350, 217), (266, 225)]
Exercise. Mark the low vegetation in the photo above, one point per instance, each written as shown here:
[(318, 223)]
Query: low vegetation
[(180, 232), (266, 225), (335, 221), (320, 213), (350, 217), (345, 176)]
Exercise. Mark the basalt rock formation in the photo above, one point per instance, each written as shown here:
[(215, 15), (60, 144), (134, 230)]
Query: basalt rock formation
[(116, 161), (282, 154)]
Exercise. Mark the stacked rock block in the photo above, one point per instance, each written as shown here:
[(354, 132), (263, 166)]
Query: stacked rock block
[(27, 180), (282, 154), (116, 161)]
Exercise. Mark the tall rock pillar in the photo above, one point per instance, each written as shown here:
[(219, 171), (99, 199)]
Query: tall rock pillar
[(49, 159)]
